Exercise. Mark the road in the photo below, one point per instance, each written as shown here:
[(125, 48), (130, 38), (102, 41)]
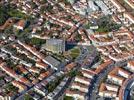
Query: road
[(97, 81)]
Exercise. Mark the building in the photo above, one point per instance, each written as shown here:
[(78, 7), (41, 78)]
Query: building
[(70, 66), (19, 85), (119, 7), (20, 25), (77, 95), (41, 65), (71, 1), (83, 80), (54, 63), (130, 17), (107, 90), (88, 73), (81, 87), (58, 91), (7, 97), (130, 65), (130, 3), (118, 75), (55, 45)]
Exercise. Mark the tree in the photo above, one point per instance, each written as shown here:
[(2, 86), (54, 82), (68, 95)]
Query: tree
[(28, 97), (68, 98), (3, 14), (106, 25)]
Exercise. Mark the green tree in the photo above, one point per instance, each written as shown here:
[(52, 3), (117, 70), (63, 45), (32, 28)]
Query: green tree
[(3, 14), (68, 98), (28, 97)]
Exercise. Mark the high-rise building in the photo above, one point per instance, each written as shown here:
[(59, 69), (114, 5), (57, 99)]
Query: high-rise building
[(55, 45)]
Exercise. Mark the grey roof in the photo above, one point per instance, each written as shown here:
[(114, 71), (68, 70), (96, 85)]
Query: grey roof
[(104, 8), (52, 61), (55, 41)]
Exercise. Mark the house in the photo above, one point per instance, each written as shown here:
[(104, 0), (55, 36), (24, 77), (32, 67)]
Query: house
[(40, 89), (70, 66), (58, 91), (118, 75), (41, 65), (81, 87), (76, 94), (130, 3), (107, 90), (83, 80), (19, 85), (88, 73), (130, 65), (25, 81), (118, 5), (20, 25), (7, 97), (129, 16), (44, 75)]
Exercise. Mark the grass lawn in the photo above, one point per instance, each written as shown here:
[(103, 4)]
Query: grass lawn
[(74, 52), (68, 98), (36, 41)]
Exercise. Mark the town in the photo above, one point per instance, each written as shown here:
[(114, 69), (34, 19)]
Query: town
[(66, 49)]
